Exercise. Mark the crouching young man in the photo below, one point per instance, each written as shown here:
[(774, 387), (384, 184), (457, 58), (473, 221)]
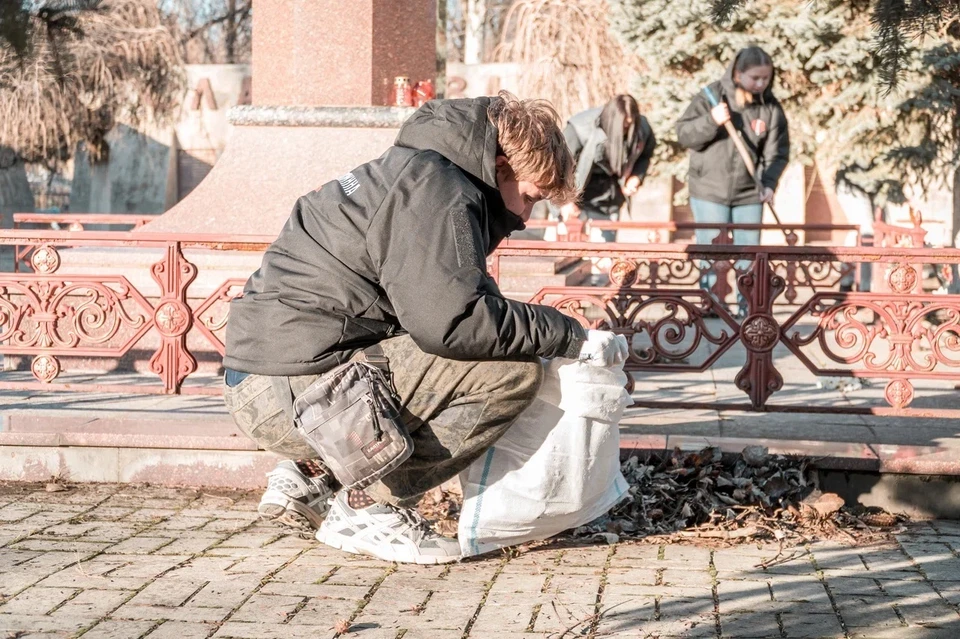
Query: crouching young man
[(394, 253)]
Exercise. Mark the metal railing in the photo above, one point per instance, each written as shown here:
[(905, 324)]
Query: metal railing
[(74, 222), (666, 232), (901, 335), (49, 313)]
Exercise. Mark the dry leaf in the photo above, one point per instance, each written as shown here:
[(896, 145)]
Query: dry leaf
[(828, 503), (755, 455), (342, 626), (880, 520), (446, 527), (699, 495)]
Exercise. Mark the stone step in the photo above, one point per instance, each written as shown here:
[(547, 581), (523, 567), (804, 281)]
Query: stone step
[(526, 285), (128, 447), (534, 265)]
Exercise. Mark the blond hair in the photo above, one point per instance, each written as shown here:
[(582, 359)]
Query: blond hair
[(528, 134)]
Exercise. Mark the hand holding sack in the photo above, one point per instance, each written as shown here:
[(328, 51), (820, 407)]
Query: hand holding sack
[(603, 348), (557, 467)]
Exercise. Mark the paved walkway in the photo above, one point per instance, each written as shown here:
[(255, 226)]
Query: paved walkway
[(127, 562)]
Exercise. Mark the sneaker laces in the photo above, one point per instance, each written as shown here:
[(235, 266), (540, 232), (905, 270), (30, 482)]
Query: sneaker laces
[(413, 518), (320, 484)]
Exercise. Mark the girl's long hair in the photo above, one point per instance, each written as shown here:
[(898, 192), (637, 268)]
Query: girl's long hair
[(621, 141)]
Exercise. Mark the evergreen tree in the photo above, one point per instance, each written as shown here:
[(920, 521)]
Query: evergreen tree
[(827, 80), (897, 23)]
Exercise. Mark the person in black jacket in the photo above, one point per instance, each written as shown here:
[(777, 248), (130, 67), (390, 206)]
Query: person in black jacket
[(721, 188), (612, 146), (393, 254)]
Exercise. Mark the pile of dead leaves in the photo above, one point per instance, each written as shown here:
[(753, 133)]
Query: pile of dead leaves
[(706, 495), (441, 506), (750, 496)]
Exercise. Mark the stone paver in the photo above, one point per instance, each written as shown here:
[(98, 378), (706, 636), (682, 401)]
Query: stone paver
[(117, 562)]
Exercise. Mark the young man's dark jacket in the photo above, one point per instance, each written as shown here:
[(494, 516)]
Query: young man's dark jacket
[(398, 244), (717, 172)]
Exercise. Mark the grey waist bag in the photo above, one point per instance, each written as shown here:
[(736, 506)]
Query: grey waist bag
[(351, 417)]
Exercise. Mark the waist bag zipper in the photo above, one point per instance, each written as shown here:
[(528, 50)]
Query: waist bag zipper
[(375, 414)]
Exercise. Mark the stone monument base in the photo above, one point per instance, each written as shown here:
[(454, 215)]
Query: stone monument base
[(275, 155)]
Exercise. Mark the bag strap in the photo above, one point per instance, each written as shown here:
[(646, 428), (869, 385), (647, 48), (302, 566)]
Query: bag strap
[(374, 356), (284, 394)]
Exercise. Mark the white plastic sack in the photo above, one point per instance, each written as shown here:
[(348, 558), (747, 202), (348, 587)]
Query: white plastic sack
[(557, 467)]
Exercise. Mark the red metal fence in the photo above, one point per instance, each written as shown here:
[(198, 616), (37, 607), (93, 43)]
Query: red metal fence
[(900, 336), (50, 313), (53, 313), (72, 222), (666, 232)]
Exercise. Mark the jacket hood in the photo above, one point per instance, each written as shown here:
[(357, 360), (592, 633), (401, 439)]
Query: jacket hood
[(729, 87), (460, 131)]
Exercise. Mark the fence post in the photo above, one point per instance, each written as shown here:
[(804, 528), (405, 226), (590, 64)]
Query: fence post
[(173, 318), (759, 331)]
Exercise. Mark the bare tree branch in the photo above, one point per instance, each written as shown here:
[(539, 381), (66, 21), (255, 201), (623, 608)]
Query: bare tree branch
[(568, 53), (242, 12), (87, 65)]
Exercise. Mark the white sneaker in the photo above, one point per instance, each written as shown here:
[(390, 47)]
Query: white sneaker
[(294, 499), (385, 532)]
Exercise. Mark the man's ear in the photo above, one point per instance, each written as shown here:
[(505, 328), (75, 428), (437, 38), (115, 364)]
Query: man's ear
[(504, 171)]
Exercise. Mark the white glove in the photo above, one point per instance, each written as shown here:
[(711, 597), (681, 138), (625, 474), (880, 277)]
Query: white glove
[(604, 348)]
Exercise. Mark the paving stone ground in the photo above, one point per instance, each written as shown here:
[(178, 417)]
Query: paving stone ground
[(128, 562)]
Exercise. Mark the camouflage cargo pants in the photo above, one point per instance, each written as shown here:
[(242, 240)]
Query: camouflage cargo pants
[(454, 410)]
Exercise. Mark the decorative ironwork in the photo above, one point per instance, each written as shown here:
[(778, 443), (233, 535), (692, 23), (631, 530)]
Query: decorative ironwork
[(812, 275), (903, 279), (54, 314), (885, 337), (916, 336), (899, 393), (655, 273), (45, 259), (665, 328), (760, 286), (36, 315), (172, 318), (760, 333), (623, 273), (45, 368)]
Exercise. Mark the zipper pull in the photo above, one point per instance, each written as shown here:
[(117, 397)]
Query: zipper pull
[(374, 416)]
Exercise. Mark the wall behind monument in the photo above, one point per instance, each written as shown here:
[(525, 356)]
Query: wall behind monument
[(149, 169)]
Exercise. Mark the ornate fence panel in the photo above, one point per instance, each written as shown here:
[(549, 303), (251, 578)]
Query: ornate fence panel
[(900, 336), (51, 313)]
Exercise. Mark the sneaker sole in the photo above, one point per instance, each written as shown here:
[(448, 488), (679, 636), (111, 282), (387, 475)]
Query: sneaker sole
[(291, 514), (340, 542)]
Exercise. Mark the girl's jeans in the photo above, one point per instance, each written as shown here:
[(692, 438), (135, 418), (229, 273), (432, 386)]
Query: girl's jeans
[(705, 212)]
